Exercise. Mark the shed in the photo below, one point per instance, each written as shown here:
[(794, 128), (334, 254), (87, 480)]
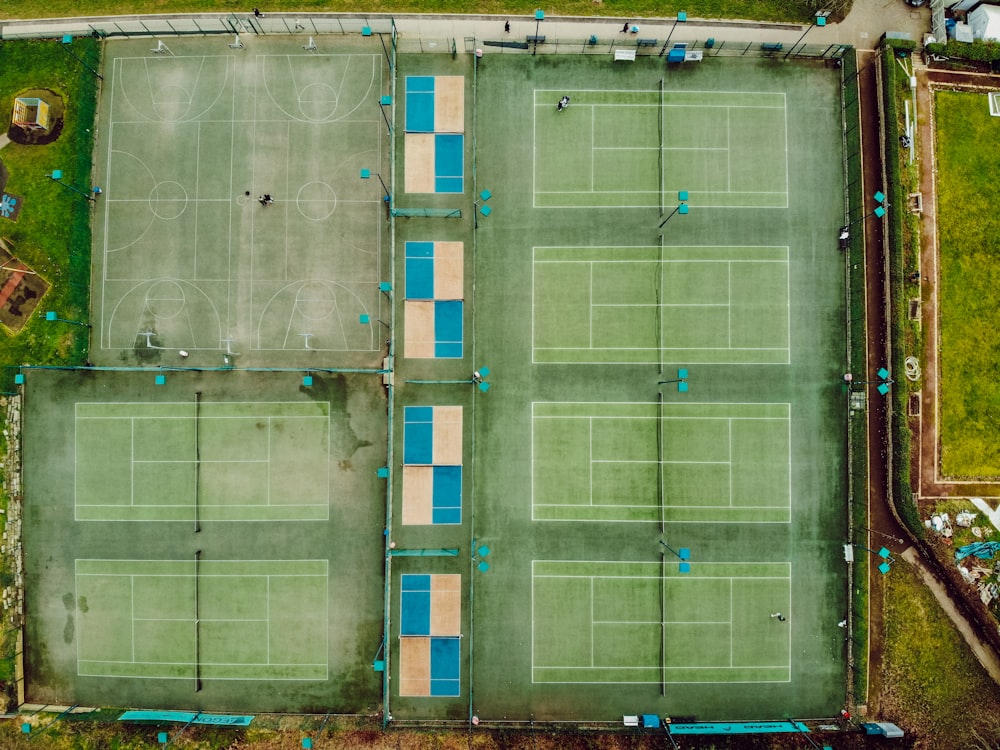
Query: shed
[(31, 113), (985, 22)]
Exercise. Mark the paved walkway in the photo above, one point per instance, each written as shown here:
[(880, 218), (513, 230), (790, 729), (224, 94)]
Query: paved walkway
[(862, 28)]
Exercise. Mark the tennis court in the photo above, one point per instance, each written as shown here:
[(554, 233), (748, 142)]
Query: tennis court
[(604, 305), (691, 462), (191, 257), (211, 620), (646, 622), (634, 146), (658, 465), (155, 462), (214, 541)]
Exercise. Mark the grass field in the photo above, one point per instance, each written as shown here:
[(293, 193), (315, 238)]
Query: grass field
[(592, 472), (968, 271)]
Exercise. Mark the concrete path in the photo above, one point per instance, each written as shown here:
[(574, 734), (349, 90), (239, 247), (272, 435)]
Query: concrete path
[(862, 28)]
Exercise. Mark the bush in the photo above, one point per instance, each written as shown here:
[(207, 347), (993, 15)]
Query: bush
[(978, 51)]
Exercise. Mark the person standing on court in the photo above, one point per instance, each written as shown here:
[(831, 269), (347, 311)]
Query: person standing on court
[(563, 103)]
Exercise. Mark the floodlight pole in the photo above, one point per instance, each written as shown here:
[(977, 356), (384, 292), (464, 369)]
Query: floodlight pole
[(56, 176), (881, 533), (682, 208), (681, 18), (52, 317), (675, 380), (67, 40), (820, 21), (539, 17)]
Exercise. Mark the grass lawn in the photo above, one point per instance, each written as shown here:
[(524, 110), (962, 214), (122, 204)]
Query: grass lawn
[(757, 10), (52, 235), (969, 236), (933, 685)]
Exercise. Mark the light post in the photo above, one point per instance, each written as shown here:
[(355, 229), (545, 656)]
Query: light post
[(539, 17), (52, 317), (682, 209), (820, 21), (67, 40), (367, 173), (56, 176), (681, 18)]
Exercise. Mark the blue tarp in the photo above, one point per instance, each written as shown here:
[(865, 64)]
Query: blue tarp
[(984, 550), (738, 727), (187, 717)]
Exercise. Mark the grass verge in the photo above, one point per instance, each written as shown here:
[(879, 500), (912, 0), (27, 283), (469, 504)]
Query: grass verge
[(932, 684), (52, 235)]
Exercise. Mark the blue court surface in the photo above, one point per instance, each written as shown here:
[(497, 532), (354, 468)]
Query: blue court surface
[(418, 435), (445, 664), (420, 104), (448, 329), (446, 496), (449, 164), (415, 604), (419, 270)]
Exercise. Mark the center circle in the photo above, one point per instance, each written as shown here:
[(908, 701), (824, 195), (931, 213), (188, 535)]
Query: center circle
[(316, 200), (167, 200)]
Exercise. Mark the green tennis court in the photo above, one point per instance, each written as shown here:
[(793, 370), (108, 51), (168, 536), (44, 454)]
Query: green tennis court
[(202, 460), (634, 146), (190, 259), (670, 304), (649, 462), (632, 622), (211, 620), (213, 541), (594, 472)]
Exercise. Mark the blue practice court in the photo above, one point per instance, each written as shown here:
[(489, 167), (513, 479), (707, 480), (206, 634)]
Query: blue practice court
[(430, 617)]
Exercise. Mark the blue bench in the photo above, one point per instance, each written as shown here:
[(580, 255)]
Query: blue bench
[(772, 47), (536, 39), (645, 42)]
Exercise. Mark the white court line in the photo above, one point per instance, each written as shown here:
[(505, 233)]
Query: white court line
[(590, 300), (590, 463), (732, 610), (131, 463), (729, 304), (663, 304), (269, 428), (729, 151), (730, 462), (592, 635)]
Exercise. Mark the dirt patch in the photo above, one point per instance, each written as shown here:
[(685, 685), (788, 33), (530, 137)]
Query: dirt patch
[(57, 113), (21, 290)]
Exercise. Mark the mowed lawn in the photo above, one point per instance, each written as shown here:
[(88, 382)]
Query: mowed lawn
[(969, 236)]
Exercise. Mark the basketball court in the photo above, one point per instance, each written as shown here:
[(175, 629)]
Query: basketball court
[(190, 256)]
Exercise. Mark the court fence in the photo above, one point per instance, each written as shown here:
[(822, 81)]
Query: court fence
[(415, 36), (857, 474)]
